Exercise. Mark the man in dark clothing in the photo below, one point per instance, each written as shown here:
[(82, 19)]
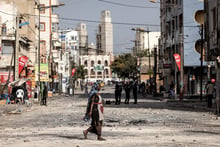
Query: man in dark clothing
[(135, 90), (127, 92), (118, 90), (209, 93), (45, 92)]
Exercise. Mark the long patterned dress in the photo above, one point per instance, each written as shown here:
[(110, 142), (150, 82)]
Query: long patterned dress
[(96, 115)]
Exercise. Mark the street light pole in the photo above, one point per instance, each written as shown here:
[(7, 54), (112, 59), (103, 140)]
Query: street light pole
[(148, 46), (39, 7), (39, 89)]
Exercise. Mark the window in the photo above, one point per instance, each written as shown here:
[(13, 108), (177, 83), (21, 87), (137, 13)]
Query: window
[(4, 29), (86, 71), (92, 72), (42, 26), (99, 62), (100, 29), (42, 45), (85, 63), (106, 71), (7, 48), (214, 18), (92, 63), (106, 63), (54, 27), (42, 8)]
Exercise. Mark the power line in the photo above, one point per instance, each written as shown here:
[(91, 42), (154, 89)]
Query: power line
[(95, 21), (126, 5)]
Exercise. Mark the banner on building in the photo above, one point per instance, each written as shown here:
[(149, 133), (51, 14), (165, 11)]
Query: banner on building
[(98, 68), (178, 60), (22, 61), (73, 71), (44, 73), (4, 77)]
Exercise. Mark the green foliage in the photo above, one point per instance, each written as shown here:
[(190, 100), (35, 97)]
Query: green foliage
[(124, 65), (80, 72)]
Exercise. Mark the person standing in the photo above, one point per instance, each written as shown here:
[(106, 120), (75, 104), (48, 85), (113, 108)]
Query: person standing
[(209, 93), (127, 92), (135, 90), (118, 90), (45, 93), (96, 113), (36, 91)]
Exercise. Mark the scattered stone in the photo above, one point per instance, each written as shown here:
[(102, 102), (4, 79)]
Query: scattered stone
[(26, 140)]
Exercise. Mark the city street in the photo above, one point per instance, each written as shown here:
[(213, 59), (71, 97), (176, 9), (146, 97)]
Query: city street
[(151, 122)]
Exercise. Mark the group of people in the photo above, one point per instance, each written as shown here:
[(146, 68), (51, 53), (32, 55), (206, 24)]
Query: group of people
[(128, 87)]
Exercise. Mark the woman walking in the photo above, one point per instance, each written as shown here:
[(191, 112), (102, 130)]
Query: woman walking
[(96, 113)]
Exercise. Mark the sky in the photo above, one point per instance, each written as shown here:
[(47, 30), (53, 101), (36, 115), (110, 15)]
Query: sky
[(125, 14), (128, 14)]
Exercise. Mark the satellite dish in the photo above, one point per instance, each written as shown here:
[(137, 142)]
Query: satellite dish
[(199, 16)]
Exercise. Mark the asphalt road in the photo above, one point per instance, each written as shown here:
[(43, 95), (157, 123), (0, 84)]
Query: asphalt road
[(151, 122)]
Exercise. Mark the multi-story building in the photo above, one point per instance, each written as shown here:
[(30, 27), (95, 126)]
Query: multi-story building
[(145, 42), (69, 55), (18, 38), (97, 67), (171, 36), (179, 33), (49, 44), (212, 43)]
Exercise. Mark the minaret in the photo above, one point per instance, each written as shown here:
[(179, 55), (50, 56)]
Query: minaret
[(105, 34), (83, 38)]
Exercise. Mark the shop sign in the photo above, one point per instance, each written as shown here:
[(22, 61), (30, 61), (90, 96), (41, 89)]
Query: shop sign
[(44, 73)]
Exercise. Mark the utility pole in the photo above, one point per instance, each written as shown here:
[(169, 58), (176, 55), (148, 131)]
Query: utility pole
[(16, 74), (148, 46), (181, 67), (201, 59), (155, 70)]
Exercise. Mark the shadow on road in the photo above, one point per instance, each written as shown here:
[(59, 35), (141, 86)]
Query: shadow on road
[(150, 102)]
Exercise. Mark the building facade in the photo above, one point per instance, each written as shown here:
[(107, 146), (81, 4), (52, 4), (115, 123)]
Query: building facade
[(145, 43), (171, 37), (97, 67), (17, 38), (28, 27), (212, 43), (69, 55)]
